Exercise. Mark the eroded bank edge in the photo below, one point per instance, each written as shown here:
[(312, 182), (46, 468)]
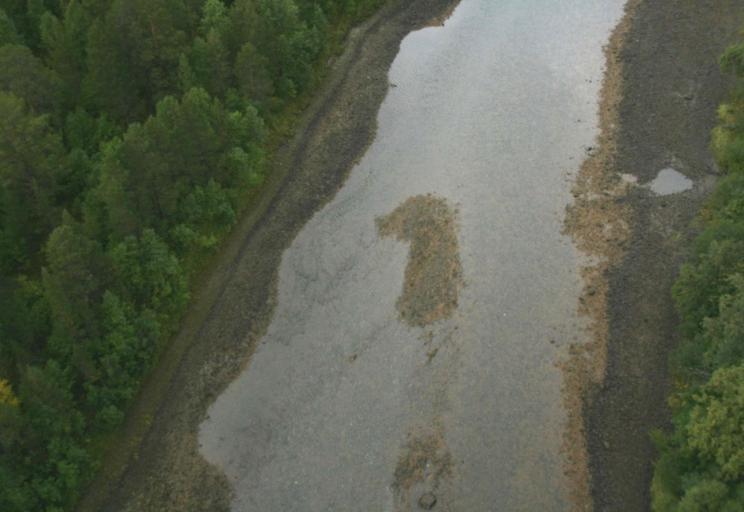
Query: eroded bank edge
[(600, 227)]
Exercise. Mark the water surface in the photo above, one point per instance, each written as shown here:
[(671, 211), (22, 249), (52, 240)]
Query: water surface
[(670, 181), (490, 113)]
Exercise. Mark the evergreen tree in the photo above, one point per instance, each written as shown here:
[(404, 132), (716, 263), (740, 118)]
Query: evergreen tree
[(31, 162), (8, 32), (74, 282), (24, 75), (64, 42), (133, 56)]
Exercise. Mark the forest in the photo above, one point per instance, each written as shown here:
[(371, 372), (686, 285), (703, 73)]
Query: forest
[(133, 133), (701, 466)]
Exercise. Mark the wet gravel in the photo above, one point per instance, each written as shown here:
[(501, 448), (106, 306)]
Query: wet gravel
[(671, 87)]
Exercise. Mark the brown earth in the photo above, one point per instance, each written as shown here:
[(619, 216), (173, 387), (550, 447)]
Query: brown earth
[(157, 465), (425, 461), (666, 88), (599, 224)]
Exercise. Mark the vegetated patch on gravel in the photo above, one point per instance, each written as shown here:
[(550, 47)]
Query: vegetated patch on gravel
[(433, 276), (424, 462)]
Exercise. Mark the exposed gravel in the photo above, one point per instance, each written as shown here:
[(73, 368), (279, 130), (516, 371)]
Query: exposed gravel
[(670, 88)]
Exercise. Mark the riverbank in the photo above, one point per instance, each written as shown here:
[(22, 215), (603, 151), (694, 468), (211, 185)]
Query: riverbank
[(164, 470), (473, 121), (669, 89)]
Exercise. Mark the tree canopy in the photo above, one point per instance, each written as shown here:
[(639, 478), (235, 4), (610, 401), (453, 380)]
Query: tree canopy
[(131, 132)]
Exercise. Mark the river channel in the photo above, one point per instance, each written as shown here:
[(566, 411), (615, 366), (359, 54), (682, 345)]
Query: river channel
[(388, 376)]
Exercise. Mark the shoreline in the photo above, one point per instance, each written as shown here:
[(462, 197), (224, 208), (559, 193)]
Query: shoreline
[(663, 88), (158, 466), (600, 227)]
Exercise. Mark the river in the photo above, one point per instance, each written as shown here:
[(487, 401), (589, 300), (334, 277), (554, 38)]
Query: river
[(350, 403)]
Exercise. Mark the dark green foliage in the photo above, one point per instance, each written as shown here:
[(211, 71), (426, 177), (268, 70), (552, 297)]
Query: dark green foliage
[(732, 60), (74, 284), (32, 163), (150, 176), (8, 32), (209, 64), (64, 41), (133, 56), (26, 17), (252, 75), (148, 275), (25, 76), (131, 133), (86, 132), (701, 467), (701, 283), (123, 354), (51, 430), (24, 324)]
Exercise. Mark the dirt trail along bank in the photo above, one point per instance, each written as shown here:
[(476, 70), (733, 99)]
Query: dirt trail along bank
[(163, 469)]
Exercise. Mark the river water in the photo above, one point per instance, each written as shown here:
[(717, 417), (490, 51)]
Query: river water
[(345, 406)]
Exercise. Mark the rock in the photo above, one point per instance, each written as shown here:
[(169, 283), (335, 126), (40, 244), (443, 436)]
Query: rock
[(427, 501)]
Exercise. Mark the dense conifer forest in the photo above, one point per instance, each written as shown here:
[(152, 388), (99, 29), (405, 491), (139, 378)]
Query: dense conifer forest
[(132, 133)]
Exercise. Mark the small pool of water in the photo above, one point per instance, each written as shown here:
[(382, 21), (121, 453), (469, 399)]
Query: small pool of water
[(670, 181)]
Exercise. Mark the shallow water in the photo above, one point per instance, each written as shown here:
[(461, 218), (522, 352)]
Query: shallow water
[(491, 113), (670, 181)]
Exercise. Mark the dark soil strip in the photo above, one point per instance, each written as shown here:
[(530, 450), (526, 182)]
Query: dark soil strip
[(164, 470), (671, 87)]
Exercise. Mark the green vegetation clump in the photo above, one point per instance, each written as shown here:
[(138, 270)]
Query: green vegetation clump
[(701, 468), (132, 134)]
